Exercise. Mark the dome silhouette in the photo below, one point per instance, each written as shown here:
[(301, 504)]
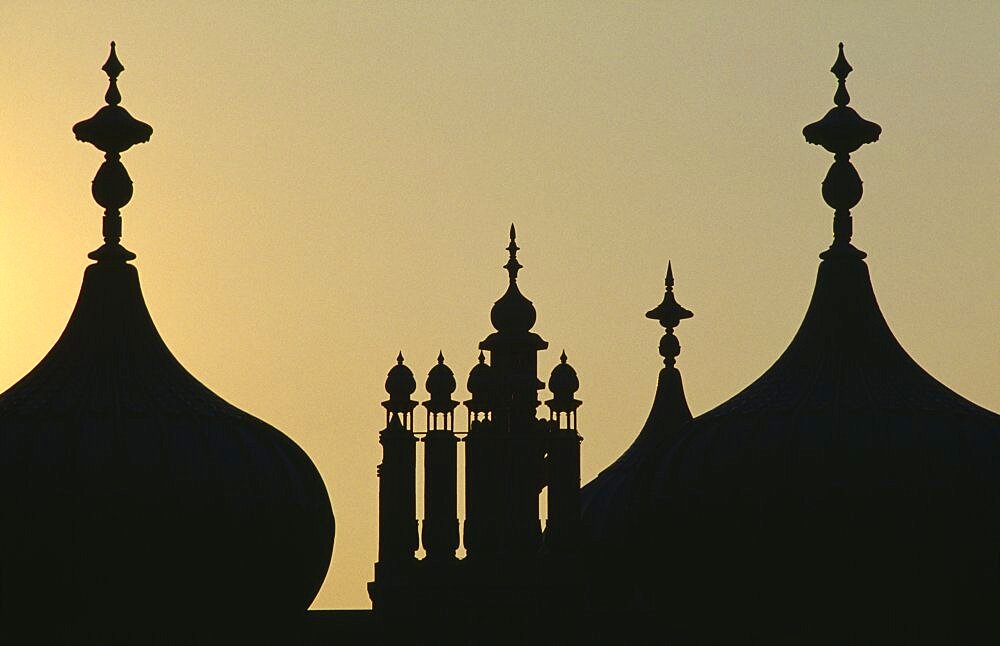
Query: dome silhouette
[(130, 487)]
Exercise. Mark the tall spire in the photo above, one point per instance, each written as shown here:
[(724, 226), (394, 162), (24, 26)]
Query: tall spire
[(842, 131), (112, 130), (669, 313)]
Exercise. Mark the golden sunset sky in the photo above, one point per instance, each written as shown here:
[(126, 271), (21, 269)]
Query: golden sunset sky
[(329, 183)]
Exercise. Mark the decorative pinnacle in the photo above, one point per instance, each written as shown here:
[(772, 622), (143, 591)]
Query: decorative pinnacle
[(399, 358), (669, 313), (841, 68), (440, 357), (482, 357), (112, 130), (513, 266), (562, 357), (842, 131)]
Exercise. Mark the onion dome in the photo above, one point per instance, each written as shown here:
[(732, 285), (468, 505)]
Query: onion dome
[(440, 385), (481, 385), (400, 384), (563, 383), (845, 492), (129, 487), (513, 313), (615, 502)]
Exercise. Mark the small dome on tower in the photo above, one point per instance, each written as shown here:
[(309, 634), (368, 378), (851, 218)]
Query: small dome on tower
[(399, 382), (481, 385), (440, 384), (440, 380), (563, 383)]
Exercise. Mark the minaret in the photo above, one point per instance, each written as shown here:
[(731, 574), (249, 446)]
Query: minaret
[(563, 462), (397, 494), (513, 352), (440, 527)]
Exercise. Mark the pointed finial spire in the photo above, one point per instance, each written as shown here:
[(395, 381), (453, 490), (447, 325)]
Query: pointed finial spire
[(669, 313), (841, 68), (399, 358), (562, 357), (842, 131), (440, 357), (513, 266), (112, 130), (482, 357)]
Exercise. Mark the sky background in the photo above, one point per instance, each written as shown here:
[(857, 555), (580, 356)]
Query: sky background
[(328, 183)]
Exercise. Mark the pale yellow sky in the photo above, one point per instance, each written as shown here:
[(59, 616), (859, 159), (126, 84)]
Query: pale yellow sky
[(329, 183)]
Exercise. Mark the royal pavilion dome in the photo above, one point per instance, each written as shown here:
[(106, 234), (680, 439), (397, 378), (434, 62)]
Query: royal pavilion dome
[(132, 493), (844, 496)]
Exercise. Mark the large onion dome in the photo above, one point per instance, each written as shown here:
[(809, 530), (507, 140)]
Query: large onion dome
[(845, 496), (132, 494)]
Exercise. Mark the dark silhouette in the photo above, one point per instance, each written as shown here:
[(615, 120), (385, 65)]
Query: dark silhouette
[(845, 496), (161, 513), (514, 583)]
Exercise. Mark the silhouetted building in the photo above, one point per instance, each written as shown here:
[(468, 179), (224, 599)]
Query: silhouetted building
[(156, 511), (513, 577), (845, 496)]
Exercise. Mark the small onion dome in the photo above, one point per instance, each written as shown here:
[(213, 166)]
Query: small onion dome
[(440, 385), (400, 384), (481, 385), (513, 315), (512, 312), (563, 383)]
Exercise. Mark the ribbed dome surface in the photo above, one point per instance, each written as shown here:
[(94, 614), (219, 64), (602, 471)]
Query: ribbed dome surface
[(130, 488)]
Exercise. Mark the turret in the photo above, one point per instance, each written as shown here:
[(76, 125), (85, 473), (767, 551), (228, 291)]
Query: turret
[(440, 528), (563, 461), (397, 492)]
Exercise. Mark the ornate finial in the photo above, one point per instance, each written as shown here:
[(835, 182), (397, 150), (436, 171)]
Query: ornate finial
[(399, 358), (842, 131), (112, 130), (440, 357), (513, 266), (669, 313), (562, 357), (841, 68)]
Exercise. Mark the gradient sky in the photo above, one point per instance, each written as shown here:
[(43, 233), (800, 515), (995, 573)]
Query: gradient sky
[(329, 183)]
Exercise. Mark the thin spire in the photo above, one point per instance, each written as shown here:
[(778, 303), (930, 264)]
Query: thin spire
[(562, 357), (112, 130), (513, 266), (669, 313), (440, 357), (399, 358)]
